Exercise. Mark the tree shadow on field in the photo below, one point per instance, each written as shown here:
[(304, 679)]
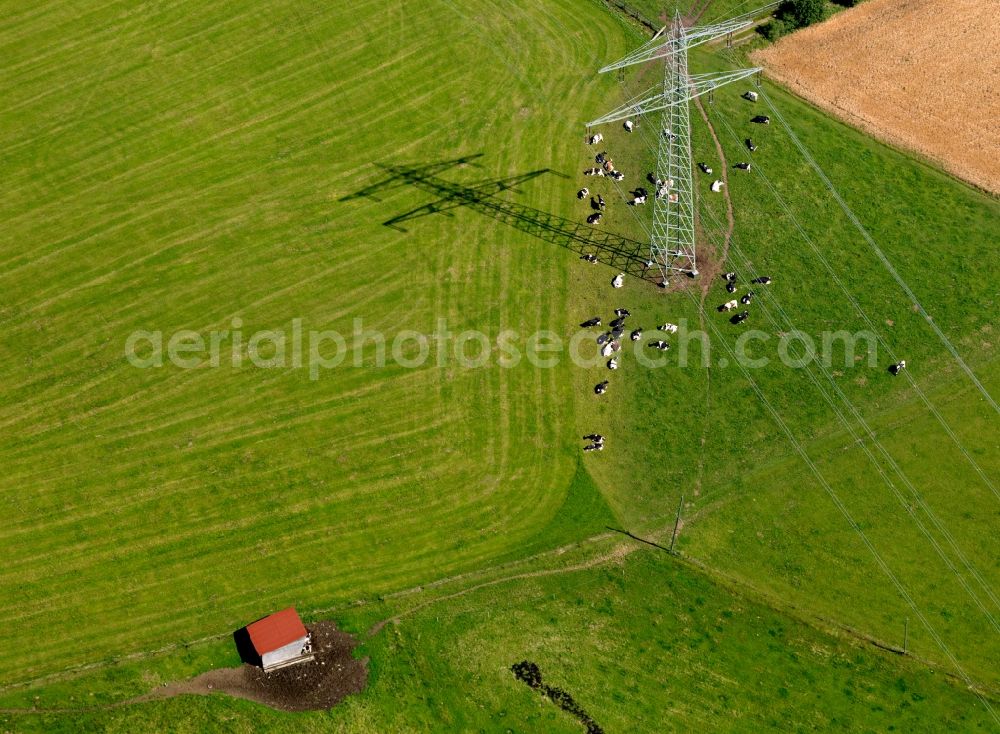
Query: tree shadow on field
[(620, 252)]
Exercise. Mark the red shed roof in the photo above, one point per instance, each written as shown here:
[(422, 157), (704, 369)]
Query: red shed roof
[(276, 630)]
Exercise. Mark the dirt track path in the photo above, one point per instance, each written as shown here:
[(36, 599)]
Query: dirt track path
[(696, 12), (721, 257), (706, 281)]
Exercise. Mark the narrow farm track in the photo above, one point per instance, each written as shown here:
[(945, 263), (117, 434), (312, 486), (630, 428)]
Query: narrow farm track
[(723, 255)]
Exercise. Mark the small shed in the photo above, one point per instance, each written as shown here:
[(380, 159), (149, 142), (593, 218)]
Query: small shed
[(278, 640)]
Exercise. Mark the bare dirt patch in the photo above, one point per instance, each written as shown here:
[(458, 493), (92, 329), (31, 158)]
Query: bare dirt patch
[(320, 684), (920, 74)]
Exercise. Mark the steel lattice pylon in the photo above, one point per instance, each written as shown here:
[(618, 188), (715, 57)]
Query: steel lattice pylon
[(672, 240), (672, 247)]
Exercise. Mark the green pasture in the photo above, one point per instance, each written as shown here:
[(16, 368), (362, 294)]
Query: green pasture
[(211, 167), (179, 166), (644, 645)]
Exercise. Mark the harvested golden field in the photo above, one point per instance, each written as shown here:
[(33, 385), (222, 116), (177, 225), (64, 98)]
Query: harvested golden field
[(919, 74)]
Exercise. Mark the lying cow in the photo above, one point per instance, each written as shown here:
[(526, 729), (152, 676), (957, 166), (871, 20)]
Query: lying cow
[(589, 258), (615, 323), (895, 369), (717, 185), (629, 126), (622, 312), (661, 345), (750, 146), (669, 328), (601, 387), (731, 277), (594, 140), (742, 166), (617, 175), (594, 218), (762, 280), (747, 297), (751, 96), (731, 287), (613, 363), (594, 447), (704, 168), (638, 201), (607, 350), (728, 306), (595, 437), (740, 317), (596, 321), (636, 335), (583, 193), (761, 120), (619, 280)]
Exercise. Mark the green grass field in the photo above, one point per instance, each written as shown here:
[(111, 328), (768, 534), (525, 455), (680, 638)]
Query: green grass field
[(179, 166)]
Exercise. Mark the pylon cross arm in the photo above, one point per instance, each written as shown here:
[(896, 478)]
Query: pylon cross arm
[(653, 101)]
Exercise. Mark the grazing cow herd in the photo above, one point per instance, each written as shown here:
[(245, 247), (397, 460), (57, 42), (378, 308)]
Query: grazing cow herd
[(745, 299), (610, 340)]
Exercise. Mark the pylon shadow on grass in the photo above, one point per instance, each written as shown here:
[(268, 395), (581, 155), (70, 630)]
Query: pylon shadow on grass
[(622, 253)]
